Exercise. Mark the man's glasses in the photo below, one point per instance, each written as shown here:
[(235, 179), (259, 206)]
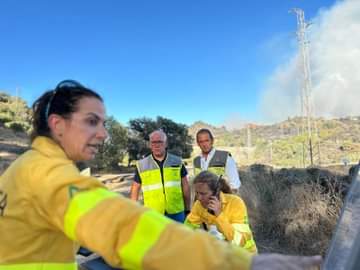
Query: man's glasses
[(156, 142)]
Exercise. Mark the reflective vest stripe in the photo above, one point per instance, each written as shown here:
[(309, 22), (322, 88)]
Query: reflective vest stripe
[(250, 246), (242, 231), (80, 204), (40, 266), (147, 232), (151, 187), (237, 238), (242, 227), (191, 225), (217, 170), (172, 184)]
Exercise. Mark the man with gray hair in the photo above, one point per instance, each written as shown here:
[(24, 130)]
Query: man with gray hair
[(163, 179)]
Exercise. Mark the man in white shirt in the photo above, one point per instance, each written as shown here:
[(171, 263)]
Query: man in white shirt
[(217, 161)]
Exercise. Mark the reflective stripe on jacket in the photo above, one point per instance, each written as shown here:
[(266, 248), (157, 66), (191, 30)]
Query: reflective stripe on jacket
[(162, 194), (216, 165)]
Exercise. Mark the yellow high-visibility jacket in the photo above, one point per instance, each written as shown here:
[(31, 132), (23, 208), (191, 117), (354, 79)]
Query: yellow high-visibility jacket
[(232, 221), (48, 208)]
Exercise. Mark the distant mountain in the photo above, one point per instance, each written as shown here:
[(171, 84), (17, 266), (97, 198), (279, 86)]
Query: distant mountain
[(284, 144)]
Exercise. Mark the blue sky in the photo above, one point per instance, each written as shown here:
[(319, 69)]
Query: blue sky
[(185, 60)]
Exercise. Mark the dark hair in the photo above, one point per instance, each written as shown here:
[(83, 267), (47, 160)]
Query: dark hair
[(213, 181), (204, 130), (63, 100)]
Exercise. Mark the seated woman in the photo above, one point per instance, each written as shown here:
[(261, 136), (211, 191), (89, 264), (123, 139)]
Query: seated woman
[(222, 214)]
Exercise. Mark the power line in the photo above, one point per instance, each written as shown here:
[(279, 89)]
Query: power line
[(306, 85)]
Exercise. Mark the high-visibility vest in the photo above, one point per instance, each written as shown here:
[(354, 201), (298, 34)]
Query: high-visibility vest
[(216, 165), (162, 193)]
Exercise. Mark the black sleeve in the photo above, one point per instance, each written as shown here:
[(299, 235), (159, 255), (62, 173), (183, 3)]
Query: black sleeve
[(137, 178), (183, 171)]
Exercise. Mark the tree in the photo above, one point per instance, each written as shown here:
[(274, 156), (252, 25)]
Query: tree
[(14, 112), (179, 141), (113, 149)]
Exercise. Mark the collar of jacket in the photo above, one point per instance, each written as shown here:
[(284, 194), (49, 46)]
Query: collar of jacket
[(209, 155), (48, 147), (222, 199)]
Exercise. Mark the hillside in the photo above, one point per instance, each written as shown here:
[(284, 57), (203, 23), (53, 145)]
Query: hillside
[(11, 145), (334, 141), (282, 145)]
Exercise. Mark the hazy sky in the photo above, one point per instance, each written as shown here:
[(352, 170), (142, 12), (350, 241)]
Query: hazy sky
[(223, 62), (334, 37)]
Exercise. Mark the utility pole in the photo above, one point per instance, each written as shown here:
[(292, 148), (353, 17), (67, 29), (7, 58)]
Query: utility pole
[(271, 152), (248, 141), (16, 103), (248, 136), (306, 112)]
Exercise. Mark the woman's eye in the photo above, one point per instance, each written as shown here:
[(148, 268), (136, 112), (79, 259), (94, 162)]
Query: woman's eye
[(92, 122)]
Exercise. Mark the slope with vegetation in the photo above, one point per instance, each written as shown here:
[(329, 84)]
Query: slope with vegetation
[(283, 145)]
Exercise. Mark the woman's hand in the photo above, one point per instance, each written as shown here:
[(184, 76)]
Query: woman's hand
[(215, 205)]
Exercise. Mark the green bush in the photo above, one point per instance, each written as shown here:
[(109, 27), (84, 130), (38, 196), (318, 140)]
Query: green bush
[(5, 117), (18, 126)]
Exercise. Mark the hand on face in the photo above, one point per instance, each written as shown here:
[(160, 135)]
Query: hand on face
[(214, 205), (205, 195)]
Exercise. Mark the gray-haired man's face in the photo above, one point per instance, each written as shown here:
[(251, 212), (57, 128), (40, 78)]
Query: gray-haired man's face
[(158, 144)]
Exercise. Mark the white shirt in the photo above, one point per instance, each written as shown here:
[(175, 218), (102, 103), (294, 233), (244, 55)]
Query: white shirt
[(231, 171)]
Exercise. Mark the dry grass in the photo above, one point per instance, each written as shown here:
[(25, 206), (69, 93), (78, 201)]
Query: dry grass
[(292, 211)]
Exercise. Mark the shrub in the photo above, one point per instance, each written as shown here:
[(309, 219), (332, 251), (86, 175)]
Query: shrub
[(18, 126), (291, 210)]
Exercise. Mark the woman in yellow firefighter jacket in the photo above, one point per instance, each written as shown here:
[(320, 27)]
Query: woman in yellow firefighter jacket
[(48, 208), (222, 214)]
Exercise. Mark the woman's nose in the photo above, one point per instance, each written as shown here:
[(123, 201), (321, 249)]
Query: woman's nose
[(102, 133)]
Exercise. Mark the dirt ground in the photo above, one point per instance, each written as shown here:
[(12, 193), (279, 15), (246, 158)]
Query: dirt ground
[(117, 182)]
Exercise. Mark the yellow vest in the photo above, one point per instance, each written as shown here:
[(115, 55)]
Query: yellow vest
[(216, 165), (163, 194)]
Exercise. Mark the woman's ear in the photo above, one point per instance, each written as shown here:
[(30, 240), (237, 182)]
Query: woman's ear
[(57, 125)]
